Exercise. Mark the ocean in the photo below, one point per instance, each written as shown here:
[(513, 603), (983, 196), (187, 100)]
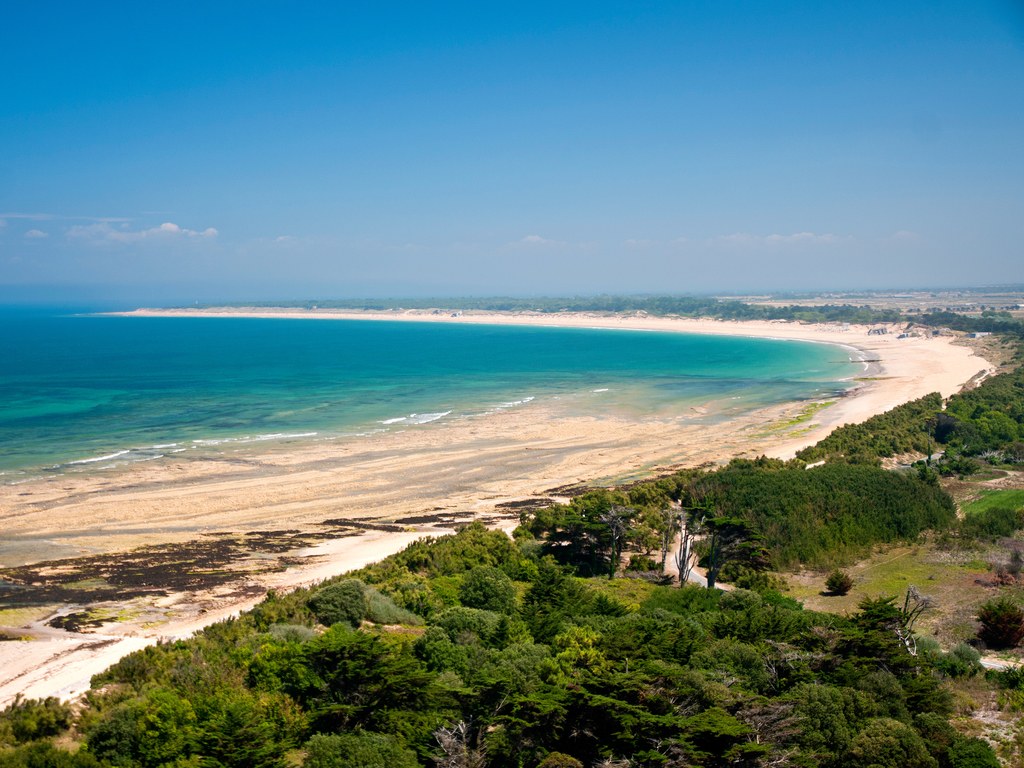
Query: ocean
[(90, 393)]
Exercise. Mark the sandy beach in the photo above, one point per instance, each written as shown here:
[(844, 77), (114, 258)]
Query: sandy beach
[(407, 483)]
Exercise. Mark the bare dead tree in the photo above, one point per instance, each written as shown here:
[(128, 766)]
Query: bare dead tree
[(914, 604), (455, 743), (691, 526)]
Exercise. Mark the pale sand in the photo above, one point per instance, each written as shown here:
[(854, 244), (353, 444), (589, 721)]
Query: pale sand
[(464, 467)]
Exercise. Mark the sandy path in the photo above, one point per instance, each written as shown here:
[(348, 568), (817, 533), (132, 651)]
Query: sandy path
[(465, 467)]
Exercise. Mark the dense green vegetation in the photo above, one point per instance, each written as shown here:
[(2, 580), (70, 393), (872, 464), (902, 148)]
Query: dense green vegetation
[(816, 516), (557, 670), (986, 421), (908, 428), (995, 499)]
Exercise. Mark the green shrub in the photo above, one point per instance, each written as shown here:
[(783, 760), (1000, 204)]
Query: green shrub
[(642, 563), (359, 749), (993, 523), (43, 754), (342, 601), (381, 609), (152, 731), (1002, 623), (439, 654), (887, 742), (559, 760), (291, 633), (961, 466), (972, 753), (489, 589), (839, 583), (468, 625), (603, 605), (31, 719), (961, 661)]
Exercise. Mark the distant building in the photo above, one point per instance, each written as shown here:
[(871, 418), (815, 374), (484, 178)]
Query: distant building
[(878, 331), (979, 334)]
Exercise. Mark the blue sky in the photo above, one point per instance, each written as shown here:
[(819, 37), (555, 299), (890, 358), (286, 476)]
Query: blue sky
[(264, 150)]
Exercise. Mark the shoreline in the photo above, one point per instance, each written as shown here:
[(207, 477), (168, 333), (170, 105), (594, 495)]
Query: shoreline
[(461, 471), (899, 377)]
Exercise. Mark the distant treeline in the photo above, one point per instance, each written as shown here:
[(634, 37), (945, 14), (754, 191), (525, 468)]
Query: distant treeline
[(681, 306), (988, 322)]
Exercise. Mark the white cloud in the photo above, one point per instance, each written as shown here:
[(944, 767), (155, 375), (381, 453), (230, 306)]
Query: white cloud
[(36, 234), (905, 236), (537, 240), (103, 232), (797, 238), (637, 243), (802, 237)]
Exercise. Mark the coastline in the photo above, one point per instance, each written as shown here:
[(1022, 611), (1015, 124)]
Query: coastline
[(466, 470), (901, 369)]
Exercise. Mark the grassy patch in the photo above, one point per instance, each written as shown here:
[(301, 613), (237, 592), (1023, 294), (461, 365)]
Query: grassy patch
[(19, 617), (993, 499), (950, 580), (630, 592), (804, 415)]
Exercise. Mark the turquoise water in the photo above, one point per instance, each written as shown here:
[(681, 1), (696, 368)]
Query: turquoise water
[(84, 393)]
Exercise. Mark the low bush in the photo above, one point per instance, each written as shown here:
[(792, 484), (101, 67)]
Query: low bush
[(1002, 623), (489, 589), (839, 583), (359, 749), (342, 601)]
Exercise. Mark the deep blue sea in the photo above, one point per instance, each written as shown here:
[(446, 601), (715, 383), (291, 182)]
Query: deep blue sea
[(84, 392)]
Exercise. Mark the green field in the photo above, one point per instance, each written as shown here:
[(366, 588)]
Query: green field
[(995, 500)]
